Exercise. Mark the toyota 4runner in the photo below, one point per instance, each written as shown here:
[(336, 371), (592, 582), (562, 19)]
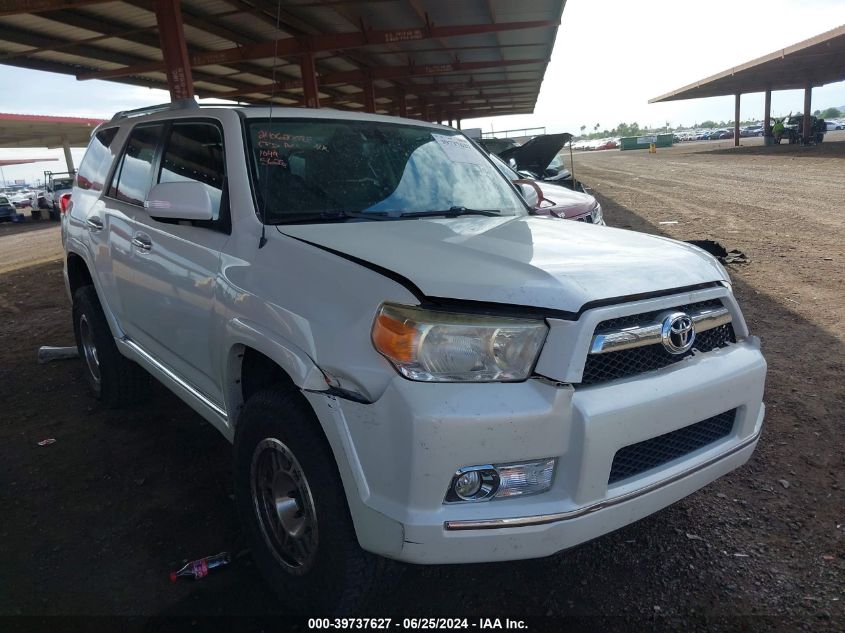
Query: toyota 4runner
[(409, 363)]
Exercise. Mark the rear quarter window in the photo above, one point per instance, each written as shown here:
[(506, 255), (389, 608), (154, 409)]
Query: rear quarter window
[(95, 165)]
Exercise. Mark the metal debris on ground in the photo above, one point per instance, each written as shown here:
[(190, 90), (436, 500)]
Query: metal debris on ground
[(199, 568), (725, 256), (47, 353), (47, 442)]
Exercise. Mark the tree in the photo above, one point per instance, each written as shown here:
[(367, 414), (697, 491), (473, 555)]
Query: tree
[(832, 113), (708, 123), (583, 127)]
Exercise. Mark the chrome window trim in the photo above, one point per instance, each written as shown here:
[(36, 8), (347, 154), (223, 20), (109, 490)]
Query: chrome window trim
[(543, 519), (651, 333)]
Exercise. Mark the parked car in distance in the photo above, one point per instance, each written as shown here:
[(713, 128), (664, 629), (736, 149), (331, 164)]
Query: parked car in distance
[(7, 209), (411, 364), (555, 200), (539, 158), (22, 199), (57, 186)]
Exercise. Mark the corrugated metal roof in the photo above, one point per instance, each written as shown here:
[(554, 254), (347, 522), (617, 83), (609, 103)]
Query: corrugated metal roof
[(817, 61), (122, 35)]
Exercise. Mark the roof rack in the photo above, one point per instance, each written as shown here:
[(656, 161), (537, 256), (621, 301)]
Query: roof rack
[(181, 104)]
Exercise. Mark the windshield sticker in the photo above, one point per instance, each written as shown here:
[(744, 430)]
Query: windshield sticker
[(458, 149)]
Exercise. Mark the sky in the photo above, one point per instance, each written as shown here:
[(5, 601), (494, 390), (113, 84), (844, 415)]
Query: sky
[(610, 58)]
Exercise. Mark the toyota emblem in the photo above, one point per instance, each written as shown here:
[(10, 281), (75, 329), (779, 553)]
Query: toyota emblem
[(677, 333)]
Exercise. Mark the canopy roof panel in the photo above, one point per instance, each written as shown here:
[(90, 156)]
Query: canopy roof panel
[(26, 130), (817, 61), (474, 57)]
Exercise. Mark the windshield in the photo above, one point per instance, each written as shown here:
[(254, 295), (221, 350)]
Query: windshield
[(506, 170), (62, 183), (322, 170)]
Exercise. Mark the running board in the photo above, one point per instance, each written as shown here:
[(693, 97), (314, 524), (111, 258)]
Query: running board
[(176, 381)]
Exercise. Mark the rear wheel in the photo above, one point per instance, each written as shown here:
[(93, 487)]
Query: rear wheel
[(113, 379), (293, 509)]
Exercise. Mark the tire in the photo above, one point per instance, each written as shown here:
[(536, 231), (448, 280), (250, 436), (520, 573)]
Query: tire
[(113, 379), (322, 571)]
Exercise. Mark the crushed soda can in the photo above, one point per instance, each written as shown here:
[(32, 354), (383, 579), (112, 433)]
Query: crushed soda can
[(47, 442)]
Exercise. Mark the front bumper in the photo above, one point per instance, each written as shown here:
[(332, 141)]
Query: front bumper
[(403, 450)]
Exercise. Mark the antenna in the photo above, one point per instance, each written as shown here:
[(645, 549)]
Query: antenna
[(263, 239)]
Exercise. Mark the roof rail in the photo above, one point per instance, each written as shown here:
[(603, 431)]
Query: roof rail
[(180, 104)]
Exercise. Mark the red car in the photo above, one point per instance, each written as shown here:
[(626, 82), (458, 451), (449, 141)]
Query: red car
[(556, 200)]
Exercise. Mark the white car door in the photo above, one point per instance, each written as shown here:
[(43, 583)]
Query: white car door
[(176, 263)]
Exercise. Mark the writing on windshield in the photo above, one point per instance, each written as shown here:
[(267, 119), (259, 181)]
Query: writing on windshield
[(323, 168)]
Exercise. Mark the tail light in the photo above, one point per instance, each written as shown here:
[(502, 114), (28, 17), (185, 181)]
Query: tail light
[(64, 203)]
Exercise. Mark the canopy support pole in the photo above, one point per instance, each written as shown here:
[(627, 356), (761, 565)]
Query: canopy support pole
[(174, 50), (402, 102), (808, 98), (309, 80), (369, 95), (736, 120), (767, 115), (68, 156)]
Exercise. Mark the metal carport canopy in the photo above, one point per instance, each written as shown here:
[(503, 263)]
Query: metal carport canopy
[(27, 130), (817, 61), (433, 59)]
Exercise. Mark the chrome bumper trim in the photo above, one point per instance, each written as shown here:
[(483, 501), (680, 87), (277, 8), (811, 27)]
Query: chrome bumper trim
[(650, 333), (543, 519)]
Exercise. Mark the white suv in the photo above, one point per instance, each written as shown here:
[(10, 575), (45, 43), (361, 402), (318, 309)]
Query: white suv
[(411, 365)]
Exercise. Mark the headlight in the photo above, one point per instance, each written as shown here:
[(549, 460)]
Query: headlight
[(596, 214), (444, 347)]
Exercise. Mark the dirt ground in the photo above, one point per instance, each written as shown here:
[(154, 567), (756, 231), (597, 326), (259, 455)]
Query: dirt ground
[(93, 523), (30, 243)]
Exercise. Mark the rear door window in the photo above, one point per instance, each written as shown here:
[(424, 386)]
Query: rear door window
[(131, 182)]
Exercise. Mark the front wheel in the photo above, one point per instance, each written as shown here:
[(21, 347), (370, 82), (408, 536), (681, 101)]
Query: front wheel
[(293, 509)]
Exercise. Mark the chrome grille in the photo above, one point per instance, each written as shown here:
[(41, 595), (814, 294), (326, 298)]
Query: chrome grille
[(630, 362), (638, 458)]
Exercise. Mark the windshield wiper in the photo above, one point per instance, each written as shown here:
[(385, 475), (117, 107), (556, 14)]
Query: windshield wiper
[(452, 212), (334, 216)]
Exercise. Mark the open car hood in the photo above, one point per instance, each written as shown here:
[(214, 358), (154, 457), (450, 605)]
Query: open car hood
[(536, 154)]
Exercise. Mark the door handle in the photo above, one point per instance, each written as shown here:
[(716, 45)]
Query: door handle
[(94, 223), (139, 240)]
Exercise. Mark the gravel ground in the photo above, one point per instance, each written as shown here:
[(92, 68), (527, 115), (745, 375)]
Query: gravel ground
[(93, 523)]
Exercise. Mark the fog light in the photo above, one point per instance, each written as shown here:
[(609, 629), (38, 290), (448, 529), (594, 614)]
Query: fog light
[(468, 484), (481, 483), (475, 483), (527, 478)]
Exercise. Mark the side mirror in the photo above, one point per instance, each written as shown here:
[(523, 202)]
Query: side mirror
[(179, 201), (512, 163), (529, 193)]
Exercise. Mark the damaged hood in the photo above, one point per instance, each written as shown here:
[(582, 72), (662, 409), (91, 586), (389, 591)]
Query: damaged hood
[(528, 260), (536, 154)]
